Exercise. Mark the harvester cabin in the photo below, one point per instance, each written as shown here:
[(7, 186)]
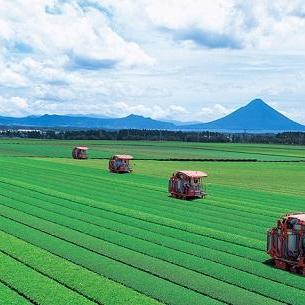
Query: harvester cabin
[(120, 164), (80, 152), (187, 184), (286, 243)]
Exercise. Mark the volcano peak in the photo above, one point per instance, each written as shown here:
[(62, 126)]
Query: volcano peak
[(256, 116)]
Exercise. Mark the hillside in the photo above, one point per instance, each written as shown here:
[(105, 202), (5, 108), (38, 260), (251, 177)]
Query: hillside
[(129, 122), (257, 116)]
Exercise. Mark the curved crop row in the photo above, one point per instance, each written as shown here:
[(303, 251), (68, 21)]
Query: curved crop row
[(40, 289), (224, 273), (179, 275), (133, 203), (146, 283), (10, 296), (98, 219), (97, 287)]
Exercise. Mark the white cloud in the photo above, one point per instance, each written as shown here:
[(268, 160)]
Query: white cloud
[(212, 14), (11, 78), (207, 114), (111, 109), (72, 30), (232, 23), (168, 59), (155, 111), (15, 105), (19, 102)]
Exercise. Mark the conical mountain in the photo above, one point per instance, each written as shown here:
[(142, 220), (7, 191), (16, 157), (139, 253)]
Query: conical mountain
[(257, 116)]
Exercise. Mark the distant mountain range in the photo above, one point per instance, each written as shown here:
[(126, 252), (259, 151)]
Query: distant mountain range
[(256, 117), (130, 122)]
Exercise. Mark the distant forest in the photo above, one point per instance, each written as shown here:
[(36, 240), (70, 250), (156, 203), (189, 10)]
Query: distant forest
[(294, 138)]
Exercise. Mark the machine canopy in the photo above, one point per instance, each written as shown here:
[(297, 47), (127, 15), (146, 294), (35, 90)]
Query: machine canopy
[(299, 216), (82, 147), (123, 157), (193, 174)]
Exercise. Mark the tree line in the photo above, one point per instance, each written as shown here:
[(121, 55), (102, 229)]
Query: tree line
[(293, 138)]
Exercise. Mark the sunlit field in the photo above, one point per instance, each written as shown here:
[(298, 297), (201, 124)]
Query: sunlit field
[(73, 233)]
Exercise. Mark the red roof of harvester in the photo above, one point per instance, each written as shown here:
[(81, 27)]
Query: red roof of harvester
[(194, 174), (124, 157), (82, 147)]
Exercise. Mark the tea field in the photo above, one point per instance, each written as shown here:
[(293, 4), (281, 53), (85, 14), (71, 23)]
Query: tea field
[(154, 150), (72, 233)]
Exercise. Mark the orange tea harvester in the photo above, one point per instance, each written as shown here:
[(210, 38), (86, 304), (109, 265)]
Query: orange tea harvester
[(80, 152), (120, 164), (187, 184), (286, 243)]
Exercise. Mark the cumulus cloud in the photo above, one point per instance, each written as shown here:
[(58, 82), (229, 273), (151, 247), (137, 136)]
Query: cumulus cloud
[(212, 23), (167, 59), (207, 114), (124, 108), (11, 78), (62, 28), (233, 24), (208, 39), (84, 62), (15, 105), (51, 104)]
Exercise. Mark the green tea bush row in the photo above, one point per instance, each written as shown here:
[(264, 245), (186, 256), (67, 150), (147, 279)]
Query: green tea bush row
[(131, 203), (92, 216), (11, 297), (136, 279), (241, 240), (118, 220), (39, 288), (95, 286), (181, 276), (216, 270)]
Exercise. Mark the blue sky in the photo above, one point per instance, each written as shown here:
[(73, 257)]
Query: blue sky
[(168, 59)]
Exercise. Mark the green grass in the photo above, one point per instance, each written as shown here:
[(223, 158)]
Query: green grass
[(72, 233), (153, 150), (39, 288), (89, 284), (9, 296)]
